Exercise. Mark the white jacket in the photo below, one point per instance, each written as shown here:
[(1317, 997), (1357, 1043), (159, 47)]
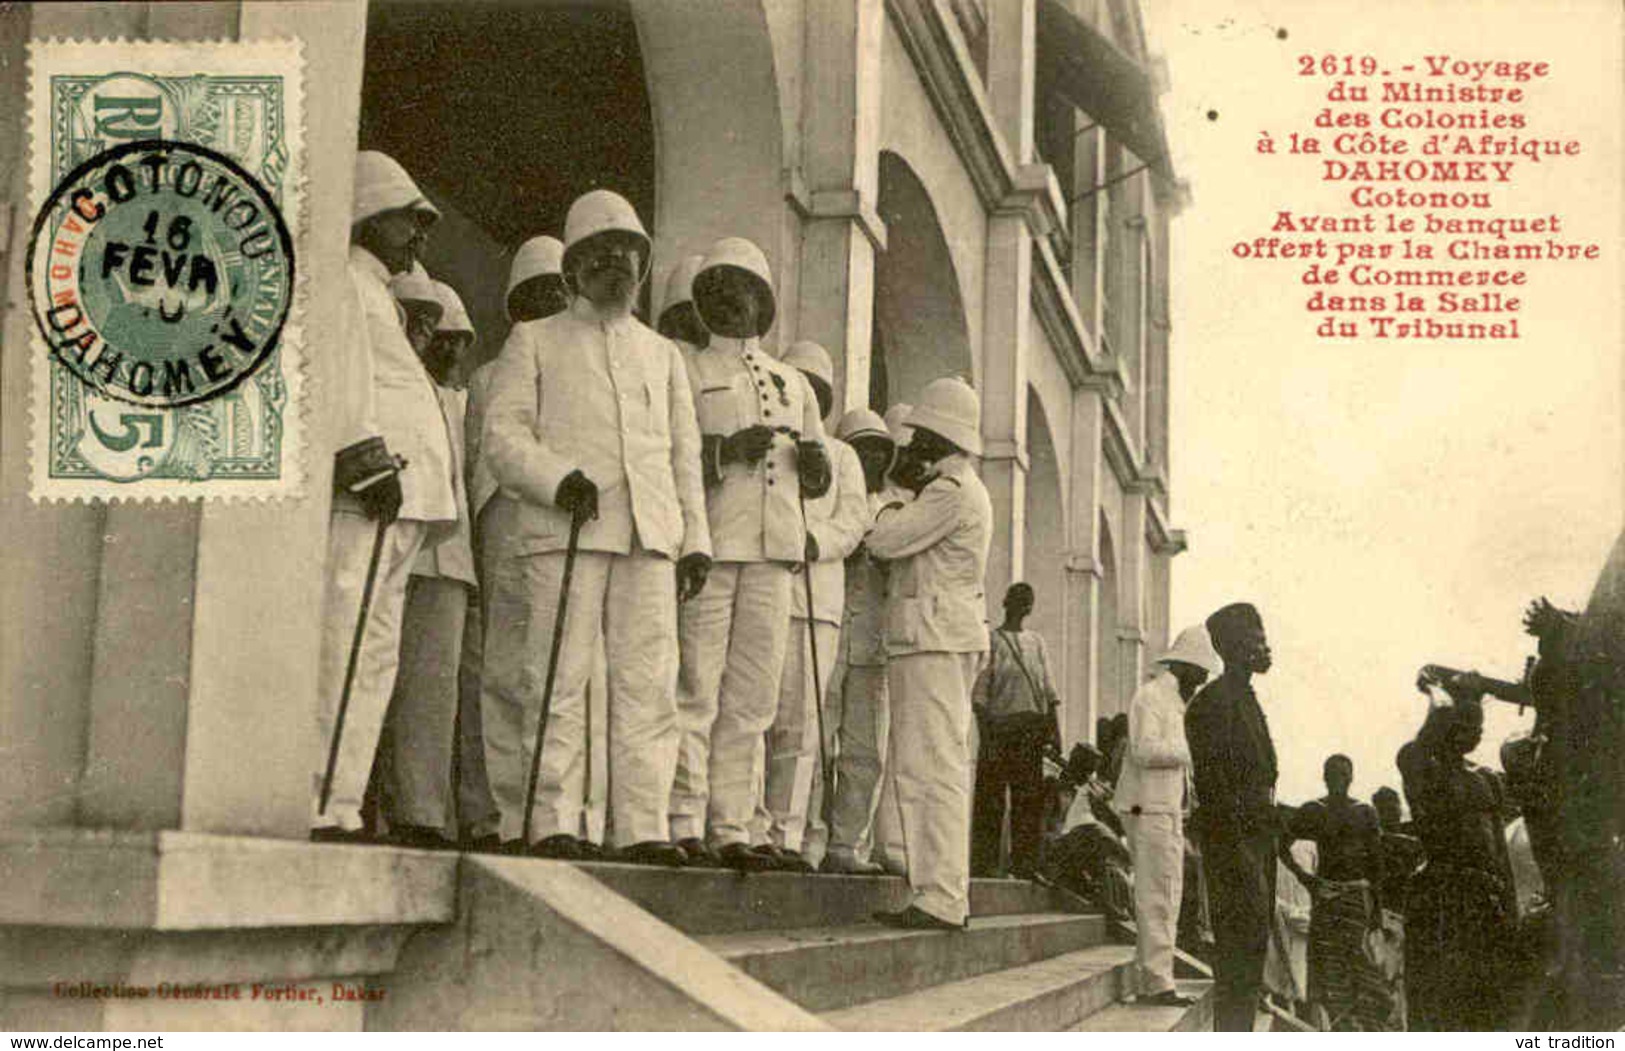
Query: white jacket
[(1152, 780), (453, 557), (937, 546), (837, 520), (609, 397), (387, 392), (755, 513)]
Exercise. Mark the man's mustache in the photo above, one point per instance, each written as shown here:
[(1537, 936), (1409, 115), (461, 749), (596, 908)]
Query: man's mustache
[(620, 266)]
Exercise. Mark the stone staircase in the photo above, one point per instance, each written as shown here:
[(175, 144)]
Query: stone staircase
[(1029, 961), (418, 940)]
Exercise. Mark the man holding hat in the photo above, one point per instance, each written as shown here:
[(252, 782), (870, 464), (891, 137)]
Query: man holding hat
[(1233, 763), (763, 452), (386, 408), (590, 419), (857, 693), (1151, 799), (790, 818), (937, 546)]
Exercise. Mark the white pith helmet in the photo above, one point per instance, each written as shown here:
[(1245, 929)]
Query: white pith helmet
[(454, 316), (537, 257), (415, 287), (679, 286), (813, 359), (862, 423), (949, 407), (738, 254), (382, 185), (1194, 646), (601, 212)]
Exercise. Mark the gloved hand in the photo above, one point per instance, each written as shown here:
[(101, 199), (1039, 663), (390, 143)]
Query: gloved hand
[(366, 470), (812, 463), (577, 495), (692, 570), (382, 499), (747, 446), (812, 548)]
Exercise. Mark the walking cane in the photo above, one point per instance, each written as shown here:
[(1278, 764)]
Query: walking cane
[(552, 669), (818, 680), (349, 669)]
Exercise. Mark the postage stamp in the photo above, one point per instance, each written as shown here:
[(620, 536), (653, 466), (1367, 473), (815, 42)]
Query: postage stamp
[(162, 269)]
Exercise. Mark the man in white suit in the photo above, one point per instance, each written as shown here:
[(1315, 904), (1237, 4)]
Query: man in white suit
[(590, 419)]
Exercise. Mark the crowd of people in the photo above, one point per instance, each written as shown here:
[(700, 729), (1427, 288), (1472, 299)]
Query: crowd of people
[(783, 625)]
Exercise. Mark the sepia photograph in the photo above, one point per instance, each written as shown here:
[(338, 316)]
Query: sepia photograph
[(836, 516)]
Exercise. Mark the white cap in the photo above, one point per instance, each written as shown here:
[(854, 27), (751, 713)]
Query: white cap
[(537, 257), (950, 408), (811, 358), (862, 423), (599, 212), (417, 288), (680, 282), (736, 253), (1193, 646), (454, 316), (382, 185)]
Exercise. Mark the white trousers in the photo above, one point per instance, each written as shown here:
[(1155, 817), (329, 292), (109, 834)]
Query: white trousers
[(624, 603), (415, 754), (1157, 842), (930, 762), (794, 776), (732, 636), (350, 540), (860, 727)]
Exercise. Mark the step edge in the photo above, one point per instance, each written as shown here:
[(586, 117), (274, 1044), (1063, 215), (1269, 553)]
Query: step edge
[(850, 1019)]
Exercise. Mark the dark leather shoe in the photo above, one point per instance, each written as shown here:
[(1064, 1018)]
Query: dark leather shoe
[(1167, 998), (335, 834), (490, 843), (418, 837), (914, 918), (743, 858), (841, 865), (562, 847), (697, 854), (591, 851), (514, 848), (653, 852), (785, 860)]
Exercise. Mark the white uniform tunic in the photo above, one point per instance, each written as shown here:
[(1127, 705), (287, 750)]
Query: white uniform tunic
[(794, 781), (1150, 794), (385, 391), (734, 632), (609, 397), (935, 637)]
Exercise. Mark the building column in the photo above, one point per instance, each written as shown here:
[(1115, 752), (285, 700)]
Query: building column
[(191, 674), (835, 189), (1131, 557), (1007, 296), (1083, 572)]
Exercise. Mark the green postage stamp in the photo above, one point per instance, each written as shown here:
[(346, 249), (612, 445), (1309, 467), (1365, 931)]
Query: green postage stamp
[(166, 182)]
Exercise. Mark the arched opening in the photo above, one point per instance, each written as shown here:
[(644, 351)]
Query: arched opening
[(919, 315), (1045, 543), (504, 114), (1108, 682)]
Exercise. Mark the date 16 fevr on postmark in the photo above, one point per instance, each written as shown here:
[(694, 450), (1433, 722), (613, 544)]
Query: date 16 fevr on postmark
[(167, 183)]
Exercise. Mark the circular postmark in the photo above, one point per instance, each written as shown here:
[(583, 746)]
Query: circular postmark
[(160, 273)]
